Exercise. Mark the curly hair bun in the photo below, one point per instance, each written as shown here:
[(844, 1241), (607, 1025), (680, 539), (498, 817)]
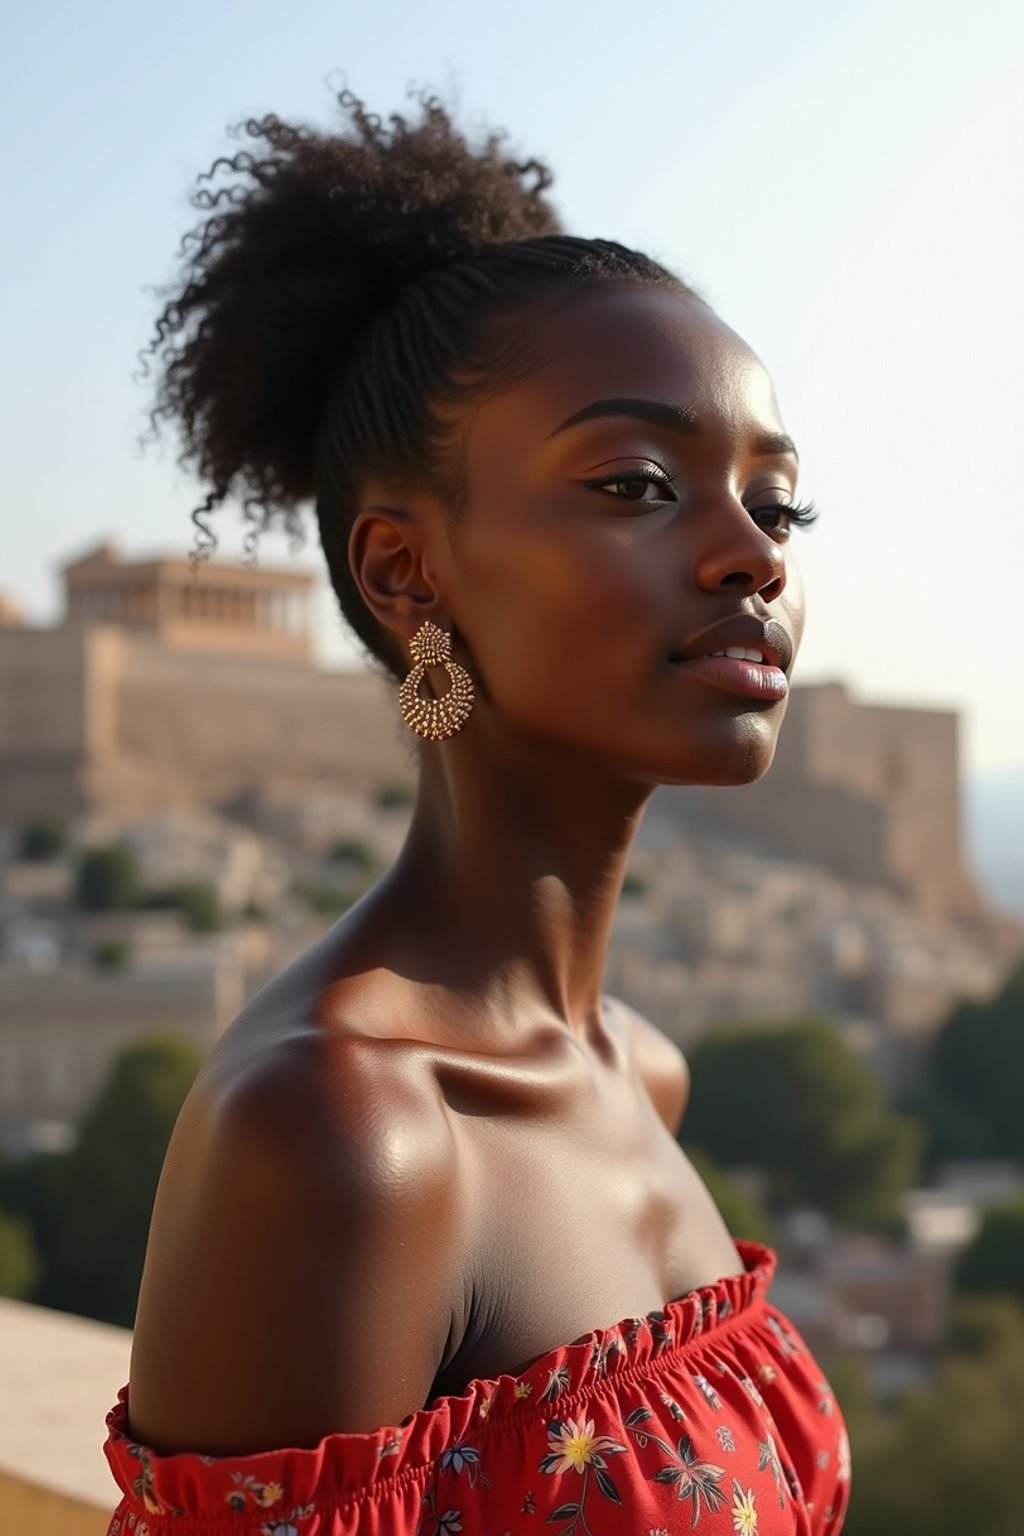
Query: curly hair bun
[(308, 237)]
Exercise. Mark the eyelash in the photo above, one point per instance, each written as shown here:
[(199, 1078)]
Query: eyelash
[(800, 514)]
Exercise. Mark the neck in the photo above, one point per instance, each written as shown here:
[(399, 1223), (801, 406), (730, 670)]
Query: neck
[(510, 876)]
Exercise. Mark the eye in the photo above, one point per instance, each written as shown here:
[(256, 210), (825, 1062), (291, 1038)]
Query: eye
[(632, 484), (797, 514)]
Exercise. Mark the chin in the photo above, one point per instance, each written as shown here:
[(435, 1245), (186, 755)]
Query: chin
[(740, 754)]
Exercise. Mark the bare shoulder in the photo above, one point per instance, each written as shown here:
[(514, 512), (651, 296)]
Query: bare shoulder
[(299, 1270), (660, 1062)]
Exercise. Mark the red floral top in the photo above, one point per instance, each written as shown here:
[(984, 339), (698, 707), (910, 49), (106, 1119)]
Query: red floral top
[(709, 1415)]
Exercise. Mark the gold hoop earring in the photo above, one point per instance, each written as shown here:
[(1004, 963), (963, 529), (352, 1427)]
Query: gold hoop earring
[(435, 718)]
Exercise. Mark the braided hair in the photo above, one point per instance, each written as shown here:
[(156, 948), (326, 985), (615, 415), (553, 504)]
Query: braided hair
[(345, 295)]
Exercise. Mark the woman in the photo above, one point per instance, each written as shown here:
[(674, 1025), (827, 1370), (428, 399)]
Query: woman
[(426, 1255)]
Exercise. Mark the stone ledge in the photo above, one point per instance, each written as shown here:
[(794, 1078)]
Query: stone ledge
[(61, 1375)]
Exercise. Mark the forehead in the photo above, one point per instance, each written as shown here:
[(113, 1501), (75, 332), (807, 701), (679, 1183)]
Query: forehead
[(645, 343)]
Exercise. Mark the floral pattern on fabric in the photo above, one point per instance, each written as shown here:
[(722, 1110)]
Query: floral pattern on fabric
[(709, 1414)]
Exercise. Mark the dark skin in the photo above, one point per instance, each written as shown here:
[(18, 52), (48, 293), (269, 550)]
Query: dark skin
[(433, 1149)]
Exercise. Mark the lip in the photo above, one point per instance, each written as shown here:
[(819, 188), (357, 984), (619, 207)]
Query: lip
[(768, 635), (751, 679)]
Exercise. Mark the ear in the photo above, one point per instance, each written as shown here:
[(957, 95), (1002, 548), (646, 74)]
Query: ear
[(390, 555)]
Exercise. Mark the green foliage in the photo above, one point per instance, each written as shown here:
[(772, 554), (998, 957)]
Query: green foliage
[(948, 1459), (391, 797), (197, 901), (633, 884), (30, 1187), (111, 954), (107, 879), (952, 1130), (90, 1208), (795, 1101), (319, 896), (200, 905), (42, 839), (977, 1064), (351, 850), (742, 1216), (20, 1263), (994, 1259), (254, 912)]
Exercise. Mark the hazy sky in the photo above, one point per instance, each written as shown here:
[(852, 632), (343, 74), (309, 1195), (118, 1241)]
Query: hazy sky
[(844, 182)]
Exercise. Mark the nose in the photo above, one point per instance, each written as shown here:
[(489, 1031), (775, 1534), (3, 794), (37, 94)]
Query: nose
[(731, 550)]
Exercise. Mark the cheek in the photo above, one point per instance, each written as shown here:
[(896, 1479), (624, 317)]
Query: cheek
[(557, 601)]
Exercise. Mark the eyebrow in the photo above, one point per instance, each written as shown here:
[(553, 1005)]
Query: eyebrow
[(678, 418)]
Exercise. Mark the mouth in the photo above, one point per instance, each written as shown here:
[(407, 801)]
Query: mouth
[(746, 670), (750, 639)]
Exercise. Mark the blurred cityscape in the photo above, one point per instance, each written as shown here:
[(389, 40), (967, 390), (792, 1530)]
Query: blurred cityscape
[(189, 800)]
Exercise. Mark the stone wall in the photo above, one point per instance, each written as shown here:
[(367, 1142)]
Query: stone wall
[(61, 1031), (96, 717), (873, 791)]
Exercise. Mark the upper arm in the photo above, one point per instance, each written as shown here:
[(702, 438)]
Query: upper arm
[(661, 1065), (297, 1280)]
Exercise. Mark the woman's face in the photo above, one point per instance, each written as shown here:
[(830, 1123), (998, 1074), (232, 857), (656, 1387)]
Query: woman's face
[(573, 601)]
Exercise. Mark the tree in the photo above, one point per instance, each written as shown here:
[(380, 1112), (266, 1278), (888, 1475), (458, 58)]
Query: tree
[(742, 1216), (111, 954), (42, 839), (91, 1207), (107, 879), (395, 796), (196, 900), (952, 1130), (352, 850), (947, 1459), (994, 1259), (323, 898), (34, 1188), (200, 905), (20, 1262), (977, 1063), (796, 1102)]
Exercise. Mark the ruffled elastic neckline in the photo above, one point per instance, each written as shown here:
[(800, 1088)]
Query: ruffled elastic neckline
[(347, 1466)]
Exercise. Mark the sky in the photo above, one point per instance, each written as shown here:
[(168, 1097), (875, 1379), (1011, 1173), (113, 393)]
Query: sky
[(843, 182)]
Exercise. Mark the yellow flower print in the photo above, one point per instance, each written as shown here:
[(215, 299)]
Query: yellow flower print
[(249, 1487), (484, 1408), (522, 1389), (574, 1444), (744, 1515)]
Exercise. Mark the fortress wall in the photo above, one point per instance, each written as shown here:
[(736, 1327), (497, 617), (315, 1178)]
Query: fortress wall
[(106, 717), (909, 759), (871, 790), (42, 694), (217, 724), (823, 823), (43, 713)]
